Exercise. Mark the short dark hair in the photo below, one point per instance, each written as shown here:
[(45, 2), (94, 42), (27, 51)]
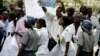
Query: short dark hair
[(66, 20), (84, 10), (42, 21), (71, 10)]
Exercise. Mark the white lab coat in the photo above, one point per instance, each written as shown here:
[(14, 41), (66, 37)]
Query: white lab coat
[(10, 47), (75, 36), (49, 17), (43, 50), (54, 28), (59, 50), (10, 28), (67, 37)]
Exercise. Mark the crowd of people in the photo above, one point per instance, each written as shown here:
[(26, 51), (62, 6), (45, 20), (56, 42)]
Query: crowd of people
[(75, 33)]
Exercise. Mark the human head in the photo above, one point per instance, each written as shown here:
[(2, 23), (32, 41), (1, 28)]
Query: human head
[(89, 12), (12, 17), (18, 12), (86, 25), (29, 22), (58, 12), (70, 11), (12, 6), (20, 3), (77, 18), (5, 15), (41, 23), (84, 10), (64, 21)]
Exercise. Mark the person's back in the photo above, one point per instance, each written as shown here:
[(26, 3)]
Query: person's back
[(30, 39), (86, 40)]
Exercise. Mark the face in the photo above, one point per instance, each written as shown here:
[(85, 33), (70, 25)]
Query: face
[(58, 12), (61, 22), (5, 16), (77, 20), (89, 11), (17, 13), (38, 25), (83, 10)]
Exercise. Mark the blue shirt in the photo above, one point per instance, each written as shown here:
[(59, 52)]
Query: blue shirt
[(6, 22)]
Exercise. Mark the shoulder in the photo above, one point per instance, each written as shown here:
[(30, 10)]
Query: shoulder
[(69, 28)]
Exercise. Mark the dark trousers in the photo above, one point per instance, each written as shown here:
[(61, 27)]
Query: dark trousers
[(82, 53), (29, 53)]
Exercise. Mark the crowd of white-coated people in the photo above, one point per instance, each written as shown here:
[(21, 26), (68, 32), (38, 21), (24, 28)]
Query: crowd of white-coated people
[(73, 33)]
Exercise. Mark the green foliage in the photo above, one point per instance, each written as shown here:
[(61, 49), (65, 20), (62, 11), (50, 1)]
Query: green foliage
[(79, 1)]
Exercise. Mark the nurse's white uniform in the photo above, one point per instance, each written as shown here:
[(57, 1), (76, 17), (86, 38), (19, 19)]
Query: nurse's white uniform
[(66, 37), (43, 50), (49, 17), (10, 28), (60, 49), (75, 36)]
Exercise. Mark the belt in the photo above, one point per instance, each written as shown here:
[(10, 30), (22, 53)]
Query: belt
[(29, 51)]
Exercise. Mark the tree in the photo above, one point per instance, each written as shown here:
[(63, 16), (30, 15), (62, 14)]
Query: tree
[(79, 1)]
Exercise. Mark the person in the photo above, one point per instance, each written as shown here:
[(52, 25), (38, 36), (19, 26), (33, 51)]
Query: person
[(12, 24), (20, 4), (99, 36), (20, 28), (29, 40), (52, 21), (1, 7), (98, 39), (65, 44), (1, 34), (70, 13), (84, 12), (86, 40), (49, 17), (44, 37), (75, 29), (92, 18), (6, 22)]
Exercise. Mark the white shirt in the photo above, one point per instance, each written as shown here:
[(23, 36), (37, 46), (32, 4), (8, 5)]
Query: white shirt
[(67, 37), (79, 30), (49, 17), (94, 20), (43, 42), (11, 27)]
